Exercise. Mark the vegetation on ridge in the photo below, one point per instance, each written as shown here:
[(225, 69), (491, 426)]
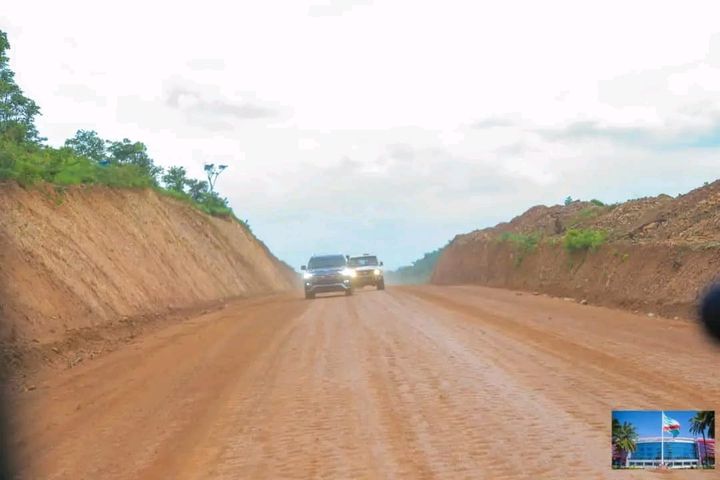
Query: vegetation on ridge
[(87, 158), (523, 243), (582, 240)]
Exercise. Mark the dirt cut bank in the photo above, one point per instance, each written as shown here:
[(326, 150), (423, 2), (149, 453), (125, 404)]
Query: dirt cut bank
[(92, 256), (655, 255)]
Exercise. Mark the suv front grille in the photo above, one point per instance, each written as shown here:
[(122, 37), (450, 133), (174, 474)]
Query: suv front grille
[(325, 279)]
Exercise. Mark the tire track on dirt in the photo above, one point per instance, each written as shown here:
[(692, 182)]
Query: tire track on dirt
[(135, 413), (311, 415), (421, 382), (625, 372), (457, 398)]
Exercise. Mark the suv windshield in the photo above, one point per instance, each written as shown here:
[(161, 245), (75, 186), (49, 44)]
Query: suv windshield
[(363, 261), (329, 261)]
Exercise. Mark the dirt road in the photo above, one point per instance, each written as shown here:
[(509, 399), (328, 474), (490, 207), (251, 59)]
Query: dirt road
[(421, 382)]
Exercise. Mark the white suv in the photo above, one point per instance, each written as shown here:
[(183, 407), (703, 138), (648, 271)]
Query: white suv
[(368, 271)]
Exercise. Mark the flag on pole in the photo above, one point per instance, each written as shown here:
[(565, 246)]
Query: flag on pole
[(671, 426)]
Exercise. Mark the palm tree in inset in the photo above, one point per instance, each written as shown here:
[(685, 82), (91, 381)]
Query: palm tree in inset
[(711, 423), (703, 420), (615, 430), (711, 432), (624, 437)]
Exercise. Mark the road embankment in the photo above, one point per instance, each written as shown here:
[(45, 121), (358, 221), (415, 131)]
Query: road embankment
[(88, 258), (653, 279)]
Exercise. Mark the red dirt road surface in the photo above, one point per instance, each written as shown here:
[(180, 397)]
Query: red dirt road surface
[(414, 382)]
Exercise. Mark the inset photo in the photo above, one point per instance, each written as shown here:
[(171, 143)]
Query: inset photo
[(657, 439)]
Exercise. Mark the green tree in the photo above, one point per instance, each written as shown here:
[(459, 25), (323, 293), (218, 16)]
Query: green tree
[(212, 173), (215, 202), (175, 179), (615, 429), (17, 112), (625, 437), (88, 144), (568, 200), (711, 423), (615, 434), (197, 189), (701, 421), (133, 153)]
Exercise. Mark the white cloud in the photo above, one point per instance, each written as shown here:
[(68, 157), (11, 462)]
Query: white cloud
[(323, 8), (307, 144), (388, 125)]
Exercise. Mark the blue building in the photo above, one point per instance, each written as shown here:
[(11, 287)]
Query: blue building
[(680, 452)]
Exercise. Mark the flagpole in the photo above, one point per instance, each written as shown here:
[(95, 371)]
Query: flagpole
[(662, 438)]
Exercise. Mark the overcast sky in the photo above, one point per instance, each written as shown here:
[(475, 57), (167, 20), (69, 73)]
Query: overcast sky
[(389, 125)]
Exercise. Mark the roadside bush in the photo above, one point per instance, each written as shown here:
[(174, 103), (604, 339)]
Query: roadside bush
[(245, 223), (129, 176), (583, 240), (523, 243), (218, 208), (597, 202), (29, 164), (214, 205), (16, 163)]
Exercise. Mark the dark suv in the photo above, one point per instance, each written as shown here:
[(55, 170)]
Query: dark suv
[(327, 273)]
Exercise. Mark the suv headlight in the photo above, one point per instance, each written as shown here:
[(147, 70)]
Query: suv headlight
[(307, 275), (348, 272), (376, 271)]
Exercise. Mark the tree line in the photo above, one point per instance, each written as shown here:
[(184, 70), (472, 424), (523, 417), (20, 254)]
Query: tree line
[(419, 272), (86, 158)]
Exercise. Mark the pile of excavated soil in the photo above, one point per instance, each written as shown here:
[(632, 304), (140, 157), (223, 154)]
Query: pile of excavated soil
[(92, 257), (660, 253)]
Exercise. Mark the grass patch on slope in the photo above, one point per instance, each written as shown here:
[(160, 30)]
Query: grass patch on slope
[(523, 244), (577, 240)]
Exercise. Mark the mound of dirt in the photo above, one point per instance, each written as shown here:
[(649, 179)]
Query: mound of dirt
[(91, 256), (659, 253)]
